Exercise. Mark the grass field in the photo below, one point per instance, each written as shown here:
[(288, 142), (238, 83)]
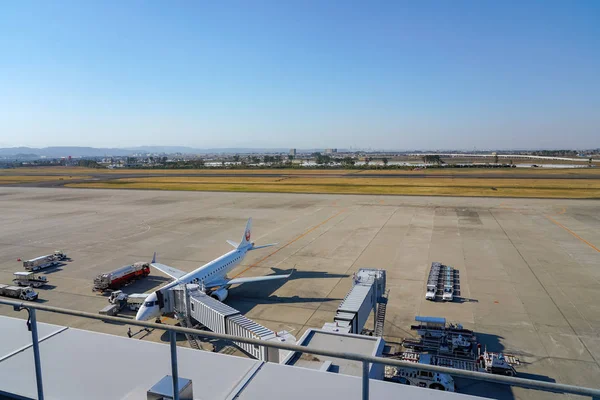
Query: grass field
[(212, 171), (548, 188)]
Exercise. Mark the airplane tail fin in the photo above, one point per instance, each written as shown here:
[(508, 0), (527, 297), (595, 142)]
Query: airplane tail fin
[(154, 258), (245, 242)]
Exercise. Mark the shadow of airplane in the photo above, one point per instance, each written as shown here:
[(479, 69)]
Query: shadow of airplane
[(245, 297), (145, 284)]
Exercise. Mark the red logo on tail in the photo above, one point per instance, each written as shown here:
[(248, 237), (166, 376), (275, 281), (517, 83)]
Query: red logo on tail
[(248, 235)]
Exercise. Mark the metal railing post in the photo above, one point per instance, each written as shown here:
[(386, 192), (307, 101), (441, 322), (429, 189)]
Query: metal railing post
[(365, 380), (36, 353), (174, 372)]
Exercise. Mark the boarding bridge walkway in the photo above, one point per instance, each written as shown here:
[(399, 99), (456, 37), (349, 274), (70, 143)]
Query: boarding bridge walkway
[(194, 308)]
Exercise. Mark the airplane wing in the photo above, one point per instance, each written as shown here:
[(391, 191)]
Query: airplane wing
[(165, 269), (250, 279)]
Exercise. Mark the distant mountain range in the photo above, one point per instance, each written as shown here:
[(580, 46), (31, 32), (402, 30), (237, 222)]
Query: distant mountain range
[(73, 151)]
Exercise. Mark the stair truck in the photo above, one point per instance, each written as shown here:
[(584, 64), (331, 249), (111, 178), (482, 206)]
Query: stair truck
[(29, 278), (120, 277), (16, 292)]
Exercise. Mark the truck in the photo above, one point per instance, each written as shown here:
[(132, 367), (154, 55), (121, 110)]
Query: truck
[(120, 277), (448, 292), (431, 291), (132, 301), (49, 260), (29, 278), (16, 292)]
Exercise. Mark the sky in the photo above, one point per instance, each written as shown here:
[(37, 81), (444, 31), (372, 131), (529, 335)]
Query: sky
[(301, 74)]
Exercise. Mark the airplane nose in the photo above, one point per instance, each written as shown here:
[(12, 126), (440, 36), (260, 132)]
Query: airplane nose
[(142, 314)]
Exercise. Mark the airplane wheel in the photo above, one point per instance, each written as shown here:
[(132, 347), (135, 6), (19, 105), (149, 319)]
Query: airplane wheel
[(436, 386)]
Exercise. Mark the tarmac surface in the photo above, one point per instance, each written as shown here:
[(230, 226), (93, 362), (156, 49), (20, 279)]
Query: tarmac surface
[(529, 269)]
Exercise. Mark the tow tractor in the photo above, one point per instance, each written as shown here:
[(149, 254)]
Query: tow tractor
[(29, 278)]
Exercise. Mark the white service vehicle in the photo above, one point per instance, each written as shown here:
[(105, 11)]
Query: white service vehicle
[(136, 300), (49, 260), (131, 301), (29, 278), (431, 292), (497, 363), (448, 293), (16, 292)]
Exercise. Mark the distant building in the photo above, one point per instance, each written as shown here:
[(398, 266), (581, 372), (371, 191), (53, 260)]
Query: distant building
[(330, 151), (293, 152)]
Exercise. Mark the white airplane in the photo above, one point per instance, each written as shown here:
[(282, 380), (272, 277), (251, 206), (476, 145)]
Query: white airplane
[(212, 276)]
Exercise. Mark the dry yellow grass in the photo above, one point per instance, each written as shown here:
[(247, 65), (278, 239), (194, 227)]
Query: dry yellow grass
[(550, 188), (167, 172), (486, 171)]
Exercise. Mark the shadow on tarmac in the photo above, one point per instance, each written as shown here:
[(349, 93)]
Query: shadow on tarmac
[(50, 270), (145, 284), (245, 297), (464, 300), (494, 390)]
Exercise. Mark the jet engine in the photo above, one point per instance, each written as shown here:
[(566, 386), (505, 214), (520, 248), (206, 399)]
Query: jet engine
[(220, 294)]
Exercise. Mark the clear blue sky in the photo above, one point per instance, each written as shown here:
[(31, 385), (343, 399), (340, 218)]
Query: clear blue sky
[(381, 74)]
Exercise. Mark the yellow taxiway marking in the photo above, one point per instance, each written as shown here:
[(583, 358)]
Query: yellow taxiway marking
[(290, 242), (572, 233)]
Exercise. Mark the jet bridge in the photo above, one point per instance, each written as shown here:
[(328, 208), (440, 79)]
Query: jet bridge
[(368, 293), (194, 308)]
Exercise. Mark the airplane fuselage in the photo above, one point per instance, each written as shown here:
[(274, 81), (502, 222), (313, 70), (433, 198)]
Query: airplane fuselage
[(213, 271)]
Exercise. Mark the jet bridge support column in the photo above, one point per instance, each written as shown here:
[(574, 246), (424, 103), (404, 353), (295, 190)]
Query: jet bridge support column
[(174, 372)]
